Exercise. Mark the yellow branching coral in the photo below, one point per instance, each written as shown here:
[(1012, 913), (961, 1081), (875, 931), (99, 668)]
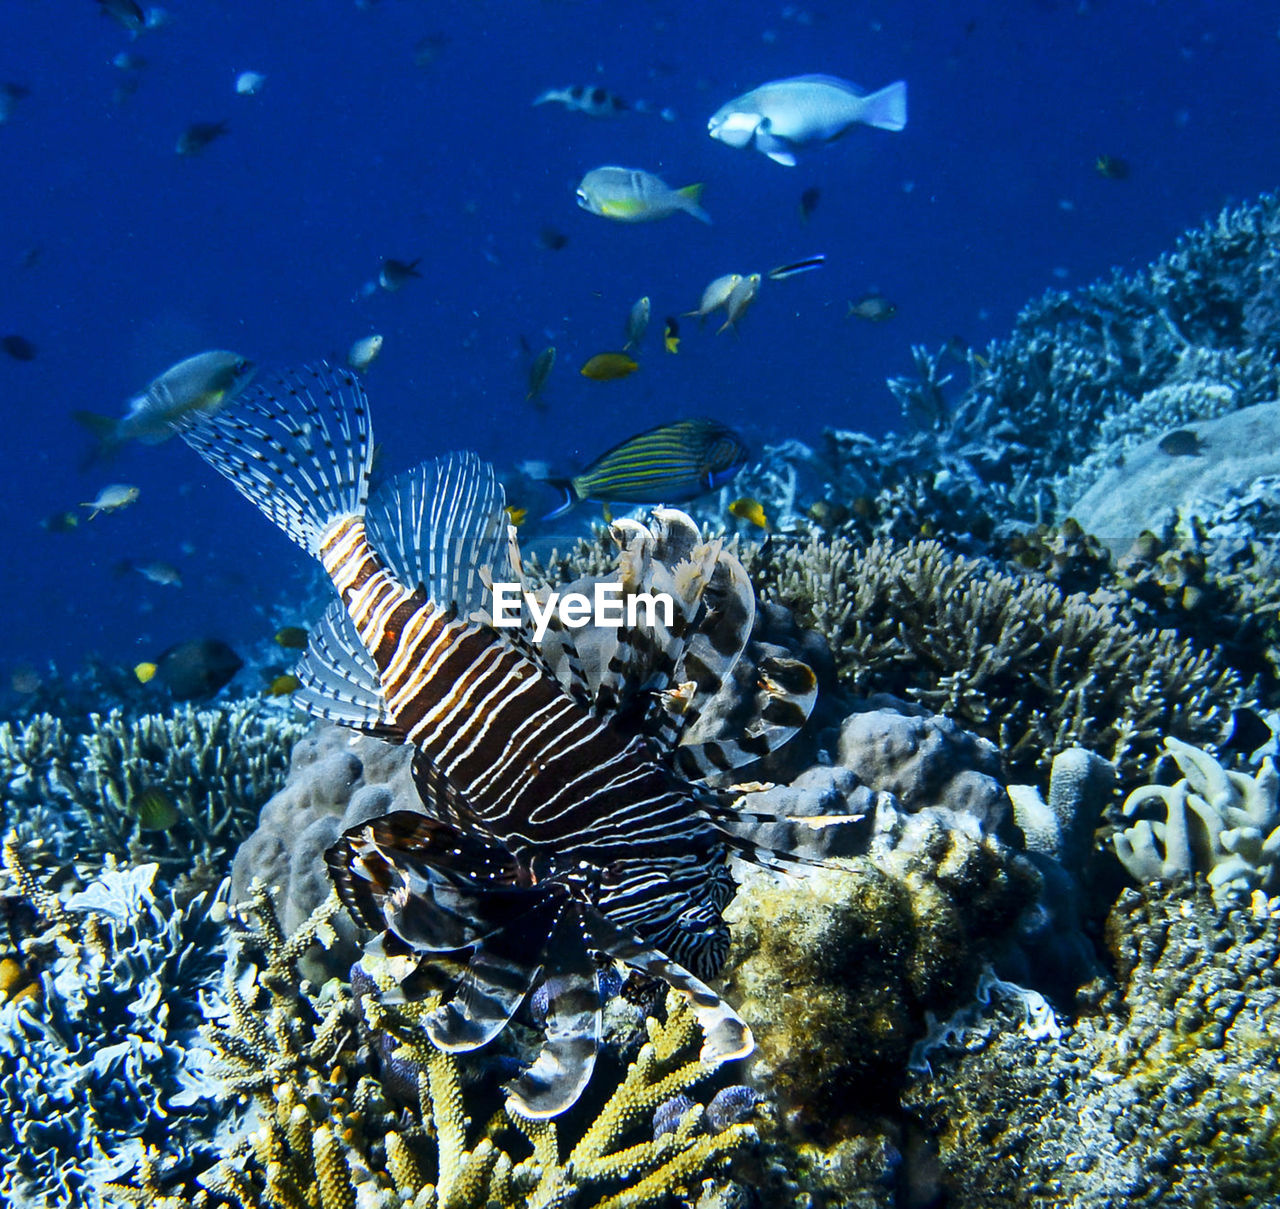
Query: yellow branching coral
[(328, 1136)]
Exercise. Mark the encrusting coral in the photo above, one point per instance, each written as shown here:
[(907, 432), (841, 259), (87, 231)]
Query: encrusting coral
[(328, 1134), (1162, 1094), (1031, 669)]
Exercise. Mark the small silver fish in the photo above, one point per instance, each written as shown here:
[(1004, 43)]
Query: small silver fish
[(197, 384), (783, 115), (716, 295), (112, 497), (364, 352), (164, 574), (633, 195), (740, 298), (637, 322)]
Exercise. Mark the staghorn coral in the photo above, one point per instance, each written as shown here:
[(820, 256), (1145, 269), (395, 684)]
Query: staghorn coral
[(1223, 824), (328, 1134), (78, 791), (1163, 1095), (103, 1058), (1021, 664)]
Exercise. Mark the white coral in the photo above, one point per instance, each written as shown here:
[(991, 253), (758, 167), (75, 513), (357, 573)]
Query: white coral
[(1221, 823)]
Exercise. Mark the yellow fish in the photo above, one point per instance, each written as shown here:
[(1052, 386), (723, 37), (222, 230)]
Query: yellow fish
[(145, 672), (751, 510), (608, 367), (671, 336), (282, 686), (516, 515), (292, 638)]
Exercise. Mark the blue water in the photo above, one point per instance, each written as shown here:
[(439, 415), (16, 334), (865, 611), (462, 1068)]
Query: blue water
[(353, 152)]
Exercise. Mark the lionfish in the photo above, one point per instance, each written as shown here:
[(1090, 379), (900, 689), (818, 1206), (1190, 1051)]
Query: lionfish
[(570, 809)]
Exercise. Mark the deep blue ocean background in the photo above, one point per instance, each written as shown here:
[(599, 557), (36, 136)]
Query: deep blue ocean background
[(119, 257)]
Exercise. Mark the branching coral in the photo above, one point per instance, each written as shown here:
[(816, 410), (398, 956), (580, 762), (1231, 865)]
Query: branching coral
[(329, 1136), (81, 792), (1021, 664), (1223, 824)]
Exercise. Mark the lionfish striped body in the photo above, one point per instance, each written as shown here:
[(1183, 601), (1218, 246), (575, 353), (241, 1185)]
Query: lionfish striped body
[(551, 835)]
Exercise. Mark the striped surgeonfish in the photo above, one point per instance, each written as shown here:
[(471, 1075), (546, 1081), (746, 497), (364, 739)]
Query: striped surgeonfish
[(552, 834), (666, 465)]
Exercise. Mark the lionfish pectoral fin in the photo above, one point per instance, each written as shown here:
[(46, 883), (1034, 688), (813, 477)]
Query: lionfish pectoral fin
[(439, 524), (564, 1064), (502, 968), (492, 989), (339, 680), (726, 1036)]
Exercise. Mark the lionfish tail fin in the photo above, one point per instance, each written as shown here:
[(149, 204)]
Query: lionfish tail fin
[(440, 525), (298, 446)]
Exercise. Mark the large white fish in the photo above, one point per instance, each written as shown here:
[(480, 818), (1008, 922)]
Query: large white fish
[(784, 115)]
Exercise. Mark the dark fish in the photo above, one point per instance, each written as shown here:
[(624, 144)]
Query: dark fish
[(60, 522), (552, 240), (10, 95), (809, 202), (396, 273), (428, 49), (1180, 443), (154, 810), (1111, 167), (19, 348), (291, 637), (124, 12), (194, 669), (196, 137), (539, 372), (668, 464), (552, 834)]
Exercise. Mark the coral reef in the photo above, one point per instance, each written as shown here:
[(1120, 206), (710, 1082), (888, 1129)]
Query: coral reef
[(103, 1058), (329, 1134), (81, 791), (1163, 1095), (1223, 824), (1020, 664)]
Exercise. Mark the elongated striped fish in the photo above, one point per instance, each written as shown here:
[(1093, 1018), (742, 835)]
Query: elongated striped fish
[(552, 832), (666, 465)]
